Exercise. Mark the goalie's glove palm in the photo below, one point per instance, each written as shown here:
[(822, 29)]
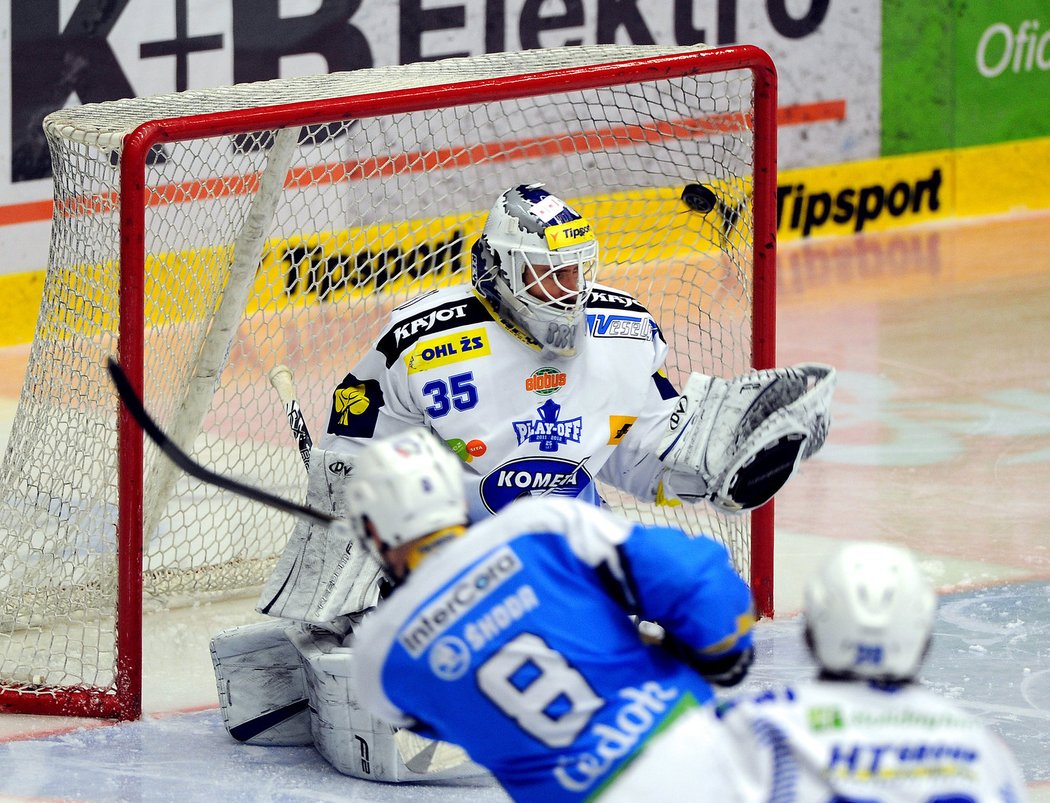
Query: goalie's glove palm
[(745, 437)]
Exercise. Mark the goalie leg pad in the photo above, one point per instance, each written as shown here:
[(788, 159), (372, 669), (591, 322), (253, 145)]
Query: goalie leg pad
[(261, 685), (355, 742), (322, 575), (744, 438)]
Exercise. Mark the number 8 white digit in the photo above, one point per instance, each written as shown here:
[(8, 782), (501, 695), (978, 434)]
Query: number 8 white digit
[(528, 706)]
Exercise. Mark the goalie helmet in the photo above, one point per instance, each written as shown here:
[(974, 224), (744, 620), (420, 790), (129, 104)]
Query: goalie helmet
[(534, 263), (869, 613), (408, 486)]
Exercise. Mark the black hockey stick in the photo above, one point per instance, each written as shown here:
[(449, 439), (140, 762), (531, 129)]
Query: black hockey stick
[(192, 467)]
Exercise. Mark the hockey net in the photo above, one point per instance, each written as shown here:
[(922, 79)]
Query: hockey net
[(207, 236)]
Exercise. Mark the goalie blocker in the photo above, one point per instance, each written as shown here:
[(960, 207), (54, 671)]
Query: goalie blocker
[(736, 442)]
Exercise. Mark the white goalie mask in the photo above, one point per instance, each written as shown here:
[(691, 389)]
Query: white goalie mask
[(869, 613), (408, 486), (534, 263)]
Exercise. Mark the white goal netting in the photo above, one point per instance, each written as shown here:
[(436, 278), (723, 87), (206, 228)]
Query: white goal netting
[(262, 244)]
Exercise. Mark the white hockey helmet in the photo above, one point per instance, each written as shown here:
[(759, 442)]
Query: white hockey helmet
[(869, 613), (408, 485), (534, 263)]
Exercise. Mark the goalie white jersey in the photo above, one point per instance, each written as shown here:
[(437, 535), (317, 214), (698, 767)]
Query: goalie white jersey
[(525, 423), (849, 740)]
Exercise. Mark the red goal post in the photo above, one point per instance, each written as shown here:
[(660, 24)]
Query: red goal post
[(208, 235)]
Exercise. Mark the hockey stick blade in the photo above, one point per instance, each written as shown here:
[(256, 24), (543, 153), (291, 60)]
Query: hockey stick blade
[(138, 411)]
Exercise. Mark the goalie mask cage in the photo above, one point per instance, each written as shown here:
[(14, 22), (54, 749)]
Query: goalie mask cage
[(206, 236)]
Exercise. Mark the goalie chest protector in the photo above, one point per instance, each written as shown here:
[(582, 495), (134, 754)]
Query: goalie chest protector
[(526, 423)]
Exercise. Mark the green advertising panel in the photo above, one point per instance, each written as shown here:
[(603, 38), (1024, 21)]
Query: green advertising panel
[(916, 76), (1002, 58), (959, 73)]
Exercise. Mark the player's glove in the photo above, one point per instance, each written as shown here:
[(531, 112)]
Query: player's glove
[(743, 438), (725, 670), (728, 670)]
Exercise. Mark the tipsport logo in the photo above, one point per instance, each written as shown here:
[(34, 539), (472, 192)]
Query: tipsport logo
[(548, 431), (561, 235)]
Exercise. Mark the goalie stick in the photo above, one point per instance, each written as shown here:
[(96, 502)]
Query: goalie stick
[(138, 411), (284, 384)]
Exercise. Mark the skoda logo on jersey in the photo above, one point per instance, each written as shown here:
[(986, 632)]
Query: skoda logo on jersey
[(535, 476), (449, 658), (547, 430)]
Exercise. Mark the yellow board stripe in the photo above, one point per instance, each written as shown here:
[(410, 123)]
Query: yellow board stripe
[(634, 230)]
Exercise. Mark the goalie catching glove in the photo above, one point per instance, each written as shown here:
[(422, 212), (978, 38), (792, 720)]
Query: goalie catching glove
[(736, 442)]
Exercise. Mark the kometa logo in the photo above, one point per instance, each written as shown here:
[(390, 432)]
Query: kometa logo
[(535, 476)]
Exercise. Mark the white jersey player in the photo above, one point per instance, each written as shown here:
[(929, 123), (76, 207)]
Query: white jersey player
[(542, 382), (524, 423), (865, 730), (513, 640)]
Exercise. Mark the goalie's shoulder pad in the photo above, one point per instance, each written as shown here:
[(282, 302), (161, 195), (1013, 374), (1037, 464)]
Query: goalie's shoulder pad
[(428, 315), (603, 298), (614, 313), (746, 436)]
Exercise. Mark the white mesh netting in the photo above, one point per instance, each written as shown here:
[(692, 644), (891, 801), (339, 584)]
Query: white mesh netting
[(371, 210)]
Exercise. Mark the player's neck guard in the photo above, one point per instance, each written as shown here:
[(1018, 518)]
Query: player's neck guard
[(508, 323), (512, 328), (421, 549)]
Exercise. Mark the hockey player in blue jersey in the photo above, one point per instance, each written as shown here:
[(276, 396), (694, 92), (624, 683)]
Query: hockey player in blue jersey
[(514, 639)]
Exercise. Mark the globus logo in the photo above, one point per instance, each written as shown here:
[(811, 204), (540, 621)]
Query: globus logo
[(545, 381), (1001, 49)]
